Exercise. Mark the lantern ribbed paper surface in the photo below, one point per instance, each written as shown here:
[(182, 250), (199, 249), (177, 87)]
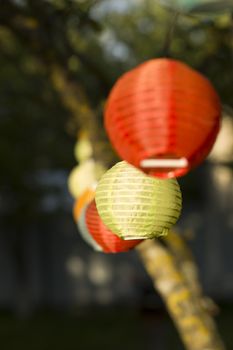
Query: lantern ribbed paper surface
[(166, 112), (136, 206), (106, 239)]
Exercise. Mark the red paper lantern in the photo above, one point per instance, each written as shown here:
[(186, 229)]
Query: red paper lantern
[(163, 117), (108, 241)]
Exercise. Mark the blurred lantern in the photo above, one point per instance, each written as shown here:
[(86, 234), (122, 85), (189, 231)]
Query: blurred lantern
[(83, 148), (79, 212), (136, 206), (87, 196), (163, 117), (84, 232), (83, 176), (102, 236), (222, 151)]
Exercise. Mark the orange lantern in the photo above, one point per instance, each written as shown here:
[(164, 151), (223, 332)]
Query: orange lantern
[(83, 201), (79, 212), (163, 117), (106, 239)]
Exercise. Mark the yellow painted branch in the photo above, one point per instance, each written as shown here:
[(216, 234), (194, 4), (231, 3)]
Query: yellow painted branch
[(196, 327), (185, 260)]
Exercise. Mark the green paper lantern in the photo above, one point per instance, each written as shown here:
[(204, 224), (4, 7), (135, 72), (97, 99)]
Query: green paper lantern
[(136, 206)]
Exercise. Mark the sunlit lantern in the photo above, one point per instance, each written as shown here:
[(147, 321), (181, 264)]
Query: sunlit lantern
[(104, 239), (134, 205), (163, 117)]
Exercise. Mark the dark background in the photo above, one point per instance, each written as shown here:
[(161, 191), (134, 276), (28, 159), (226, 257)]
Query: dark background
[(58, 61)]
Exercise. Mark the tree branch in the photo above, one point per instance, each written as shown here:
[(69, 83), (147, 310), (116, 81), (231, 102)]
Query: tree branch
[(196, 327)]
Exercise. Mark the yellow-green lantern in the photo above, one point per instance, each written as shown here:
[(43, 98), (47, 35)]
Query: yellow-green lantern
[(137, 206)]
